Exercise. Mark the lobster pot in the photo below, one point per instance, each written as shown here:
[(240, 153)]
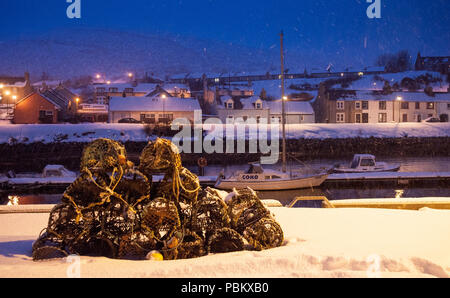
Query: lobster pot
[(186, 186), (160, 219), (209, 214), (160, 156), (225, 240), (104, 155), (193, 246), (245, 208), (264, 234)]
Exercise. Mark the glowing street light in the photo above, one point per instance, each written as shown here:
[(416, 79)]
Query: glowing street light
[(7, 92), (1, 86), (130, 74), (163, 96), (97, 76), (285, 98)]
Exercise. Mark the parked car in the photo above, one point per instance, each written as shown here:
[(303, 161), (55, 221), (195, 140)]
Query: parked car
[(432, 119), (129, 120)]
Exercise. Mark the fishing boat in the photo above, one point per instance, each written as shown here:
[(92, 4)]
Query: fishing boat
[(366, 163), (51, 174), (258, 178)]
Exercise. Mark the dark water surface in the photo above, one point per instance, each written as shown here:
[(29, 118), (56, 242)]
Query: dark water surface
[(440, 164)]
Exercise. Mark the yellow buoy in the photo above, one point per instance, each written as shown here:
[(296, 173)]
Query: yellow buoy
[(155, 255)]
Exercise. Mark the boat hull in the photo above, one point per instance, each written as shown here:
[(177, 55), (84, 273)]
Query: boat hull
[(349, 170), (282, 184)]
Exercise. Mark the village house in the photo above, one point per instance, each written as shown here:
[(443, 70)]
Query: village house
[(356, 106), (12, 89), (170, 90), (254, 107), (152, 110), (47, 106), (104, 92), (93, 112), (439, 63)]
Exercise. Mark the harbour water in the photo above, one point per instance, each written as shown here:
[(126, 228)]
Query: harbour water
[(439, 164)]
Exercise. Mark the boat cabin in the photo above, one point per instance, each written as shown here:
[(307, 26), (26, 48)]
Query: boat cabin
[(362, 160)]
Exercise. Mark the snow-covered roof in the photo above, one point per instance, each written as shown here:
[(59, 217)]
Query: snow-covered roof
[(143, 87), (135, 104), (169, 87), (273, 87), (249, 103), (291, 107), (376, 82), (405, 96)]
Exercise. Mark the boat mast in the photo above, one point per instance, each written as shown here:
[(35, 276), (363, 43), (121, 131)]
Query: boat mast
[(283, 115)]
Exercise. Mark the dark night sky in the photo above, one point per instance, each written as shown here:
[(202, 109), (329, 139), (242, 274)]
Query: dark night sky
[(314, 26)]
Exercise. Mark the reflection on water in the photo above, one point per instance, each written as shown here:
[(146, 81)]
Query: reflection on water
[(441, 164), (13, 200), (408, 164), (286, 196), (33, 199)]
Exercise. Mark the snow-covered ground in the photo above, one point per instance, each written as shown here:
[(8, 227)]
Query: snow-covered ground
[(318, 243), (47, 133)]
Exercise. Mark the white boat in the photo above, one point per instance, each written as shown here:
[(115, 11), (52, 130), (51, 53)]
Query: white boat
[(258, 178), (366, 163), (51, 174)]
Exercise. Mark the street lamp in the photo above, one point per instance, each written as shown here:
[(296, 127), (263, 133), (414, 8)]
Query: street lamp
[(14, 97), (163, 97), (77, 100)]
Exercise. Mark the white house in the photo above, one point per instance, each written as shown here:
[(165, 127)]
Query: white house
[(296, 111), (253, 107), (376, 107), (159, 109)]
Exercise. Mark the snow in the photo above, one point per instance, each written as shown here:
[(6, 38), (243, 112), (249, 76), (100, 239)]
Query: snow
[(47, 133), (369, 82), (318, 243), (146, 104), (406, 96)]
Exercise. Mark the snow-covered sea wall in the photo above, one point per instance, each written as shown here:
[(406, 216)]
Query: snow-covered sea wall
[(31, 147), (32, 133)]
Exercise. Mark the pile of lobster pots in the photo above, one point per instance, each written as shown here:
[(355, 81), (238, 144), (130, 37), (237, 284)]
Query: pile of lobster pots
[(156, 209)]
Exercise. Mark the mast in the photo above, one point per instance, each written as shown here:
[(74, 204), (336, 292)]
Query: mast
[(283, 113)]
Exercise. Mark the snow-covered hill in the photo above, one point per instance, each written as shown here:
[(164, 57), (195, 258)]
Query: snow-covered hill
[(72, 52)]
